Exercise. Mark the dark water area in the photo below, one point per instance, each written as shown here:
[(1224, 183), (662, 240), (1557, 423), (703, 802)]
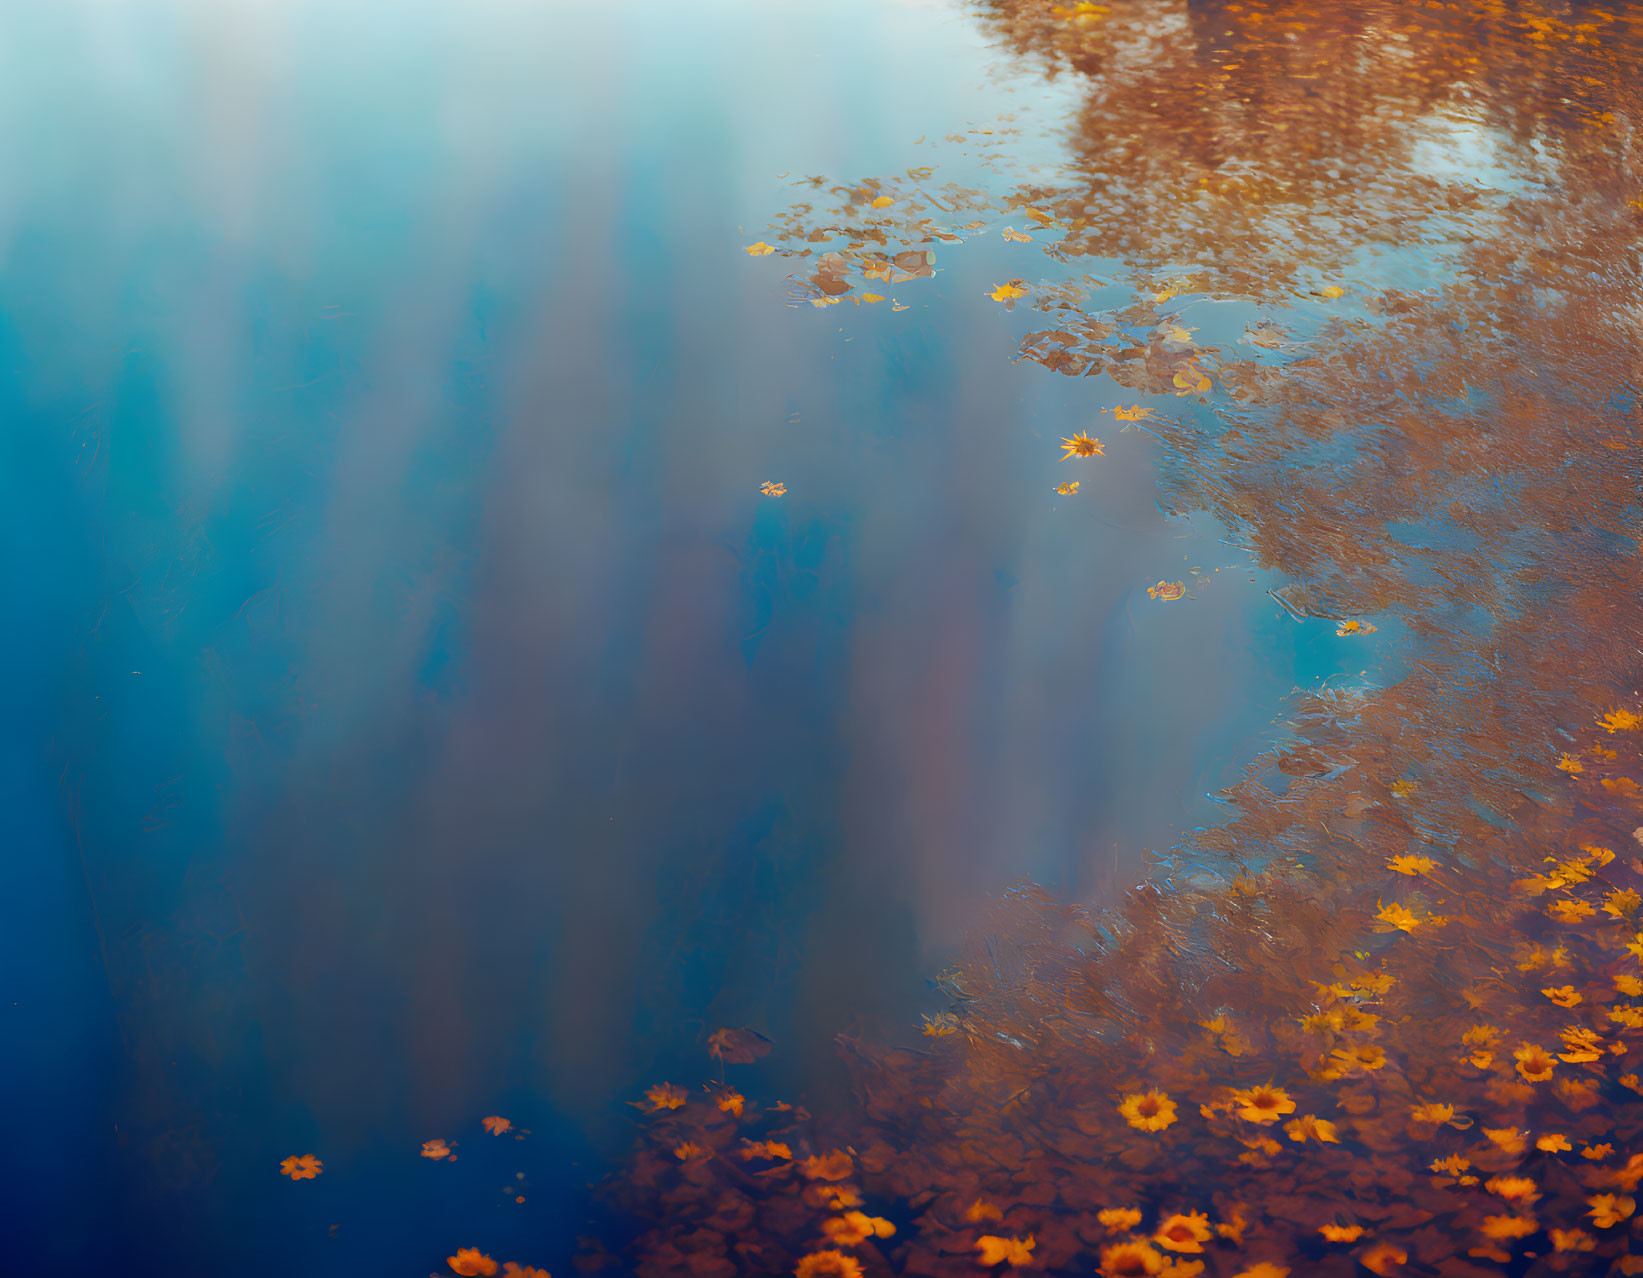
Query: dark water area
[(419, 712)]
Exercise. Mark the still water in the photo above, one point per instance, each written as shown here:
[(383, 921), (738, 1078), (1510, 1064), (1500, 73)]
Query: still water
[(419, 712)]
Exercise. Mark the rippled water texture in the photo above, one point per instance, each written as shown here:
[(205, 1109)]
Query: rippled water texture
[(543, 531)]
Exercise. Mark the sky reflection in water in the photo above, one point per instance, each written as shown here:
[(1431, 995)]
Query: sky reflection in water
[(417, 711)]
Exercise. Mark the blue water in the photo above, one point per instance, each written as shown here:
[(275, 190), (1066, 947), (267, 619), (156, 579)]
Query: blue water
[(416, 712)]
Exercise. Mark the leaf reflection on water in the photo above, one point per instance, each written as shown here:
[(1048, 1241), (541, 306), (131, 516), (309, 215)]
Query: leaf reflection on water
[(1428, 218)]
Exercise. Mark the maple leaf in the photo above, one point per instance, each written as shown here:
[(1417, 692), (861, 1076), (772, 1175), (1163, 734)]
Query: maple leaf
[(828, 1264), (1383, 1258), (495, 1124), (1412, 865), (664, 1096), (1188, 1232), (996, 1250), (761, 249), (306, 1167), (470, 1262), (770, 488), (1534, 1063), (1009, 293), (1398, 917), (835, 1165), (1305, 1127), (1067, 489), (435, 1149), (731, 1102), (1341, 1233), (1621, 721)]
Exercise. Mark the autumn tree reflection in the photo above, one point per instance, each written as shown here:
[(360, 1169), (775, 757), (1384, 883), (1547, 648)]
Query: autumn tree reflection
[(1387, 1016)]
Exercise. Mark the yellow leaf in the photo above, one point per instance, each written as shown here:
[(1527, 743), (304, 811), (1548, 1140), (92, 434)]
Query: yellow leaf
[(761, 249)]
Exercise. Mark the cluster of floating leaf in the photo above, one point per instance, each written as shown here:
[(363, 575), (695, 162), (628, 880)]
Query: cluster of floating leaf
[(1387, 1017), (468, 1261), (1401, 1090)]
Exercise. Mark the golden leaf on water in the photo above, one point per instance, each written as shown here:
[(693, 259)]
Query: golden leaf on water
[(760, 249), (770, 488), (1191, 379), (305, 1167), (1009, 293), (1067, 489), (996, 1250)]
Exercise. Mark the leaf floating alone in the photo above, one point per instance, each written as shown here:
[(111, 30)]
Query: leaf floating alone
[(831, 1166), (436, 1149), (304, 1168), (761, 249), (1008, 293), (828, 1264), (495, 1124), (1168, 590), (1067, 489), (1012, 1251), (1355, 628), (1081, 445), (470, 1262), (664, 1096), (770, 488), (883, 202), (1191, 378), (738, 1046)]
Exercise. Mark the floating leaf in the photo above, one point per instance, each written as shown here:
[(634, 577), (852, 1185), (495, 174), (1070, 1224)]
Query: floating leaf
[(305, 1167), (742, 1046)]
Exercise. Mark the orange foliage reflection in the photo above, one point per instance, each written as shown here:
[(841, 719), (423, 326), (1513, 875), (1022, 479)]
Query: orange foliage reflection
[(1370, 1020)]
